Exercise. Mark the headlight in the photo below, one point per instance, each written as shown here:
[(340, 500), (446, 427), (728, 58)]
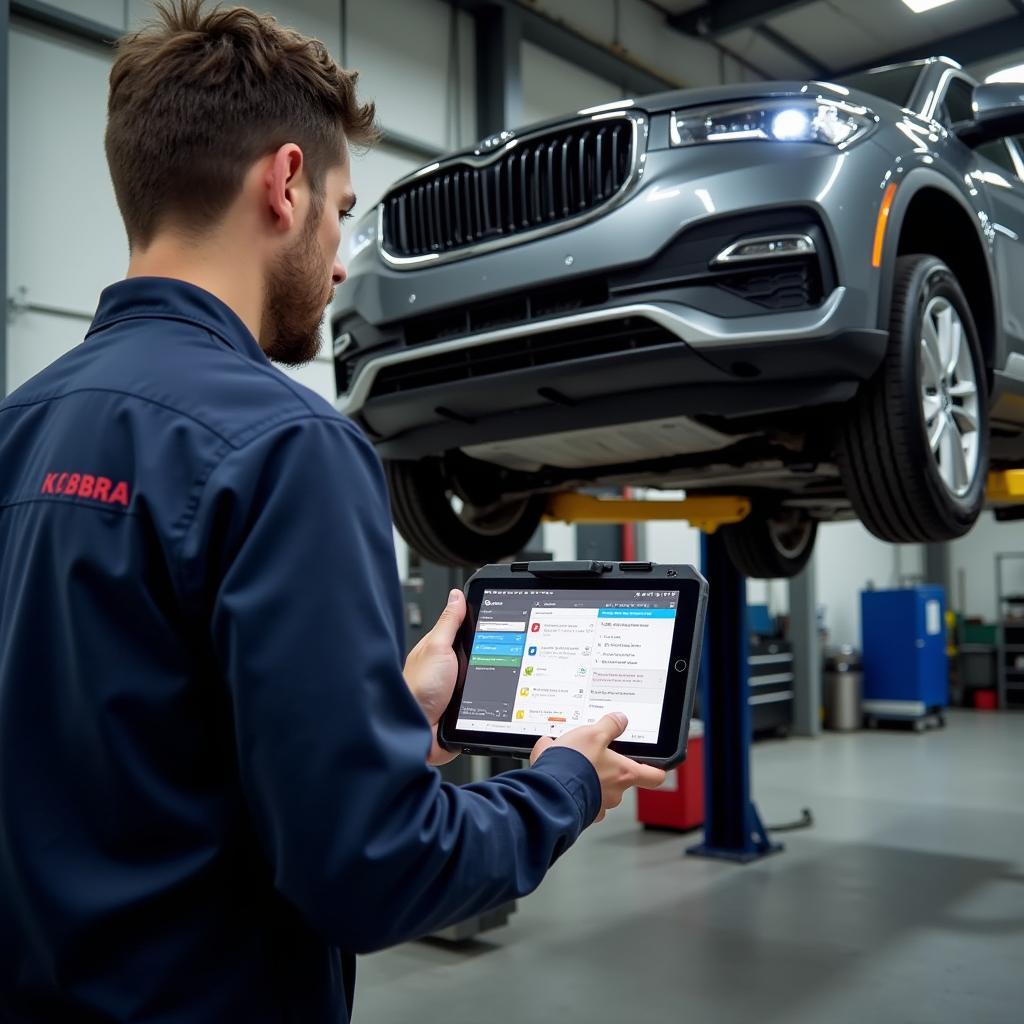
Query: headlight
[(784, 120), (361, 237)]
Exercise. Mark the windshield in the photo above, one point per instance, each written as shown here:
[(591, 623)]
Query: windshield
[(895, 84)]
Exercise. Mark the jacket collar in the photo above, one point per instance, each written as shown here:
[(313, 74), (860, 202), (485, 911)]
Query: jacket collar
[(165, 298)]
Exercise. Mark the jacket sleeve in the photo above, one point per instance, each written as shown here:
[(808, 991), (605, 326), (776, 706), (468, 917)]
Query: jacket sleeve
[(292, 543)]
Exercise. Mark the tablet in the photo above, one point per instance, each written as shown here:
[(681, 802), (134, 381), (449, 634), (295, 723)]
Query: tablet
[(548, 646)]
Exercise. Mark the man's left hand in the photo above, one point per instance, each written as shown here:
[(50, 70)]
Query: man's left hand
[(431, 668)]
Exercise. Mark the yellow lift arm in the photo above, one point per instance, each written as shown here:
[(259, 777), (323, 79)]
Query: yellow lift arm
[(706, 512), (709, 512), (1006, 487)]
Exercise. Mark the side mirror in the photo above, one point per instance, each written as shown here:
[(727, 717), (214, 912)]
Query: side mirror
[(998, 112)]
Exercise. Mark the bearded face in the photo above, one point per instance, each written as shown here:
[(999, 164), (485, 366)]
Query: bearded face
[(298, 291)]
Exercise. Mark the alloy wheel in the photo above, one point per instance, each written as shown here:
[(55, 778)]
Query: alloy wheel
[(949, 395)]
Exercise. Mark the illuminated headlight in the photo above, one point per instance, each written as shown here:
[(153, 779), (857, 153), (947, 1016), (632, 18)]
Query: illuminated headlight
[(360, 239), (785, 120)]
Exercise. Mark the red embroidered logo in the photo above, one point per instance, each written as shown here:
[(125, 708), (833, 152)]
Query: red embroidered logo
[(85, 485)]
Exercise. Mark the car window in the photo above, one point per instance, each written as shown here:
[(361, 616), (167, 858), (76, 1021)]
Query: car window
[(997, 152), (957, 104), (894, 84)]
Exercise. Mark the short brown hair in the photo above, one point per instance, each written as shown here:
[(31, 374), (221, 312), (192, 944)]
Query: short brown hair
[(199, 96)]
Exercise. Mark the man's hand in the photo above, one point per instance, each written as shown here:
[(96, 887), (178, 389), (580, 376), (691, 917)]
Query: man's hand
[(431, 668), (615, 772)]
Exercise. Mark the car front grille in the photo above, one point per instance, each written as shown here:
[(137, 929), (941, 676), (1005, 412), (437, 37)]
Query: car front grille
[(541, 182), (557, 346), (507, 311)]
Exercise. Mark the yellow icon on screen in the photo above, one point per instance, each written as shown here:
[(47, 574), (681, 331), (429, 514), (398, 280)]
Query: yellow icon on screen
[(520, 714), (524, 692)]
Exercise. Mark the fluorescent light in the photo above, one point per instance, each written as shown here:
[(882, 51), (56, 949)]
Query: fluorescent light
[(920, 6), (1014, 74)]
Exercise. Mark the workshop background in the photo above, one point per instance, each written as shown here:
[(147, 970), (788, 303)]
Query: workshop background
[(905, 901)]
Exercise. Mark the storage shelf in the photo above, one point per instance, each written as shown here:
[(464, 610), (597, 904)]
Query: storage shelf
[(1010, 634)]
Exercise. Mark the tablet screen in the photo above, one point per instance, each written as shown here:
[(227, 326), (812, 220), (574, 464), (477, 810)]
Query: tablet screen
[(545, 661)]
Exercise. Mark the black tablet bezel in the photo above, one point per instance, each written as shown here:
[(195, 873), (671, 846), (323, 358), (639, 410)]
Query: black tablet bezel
[(683, 665)]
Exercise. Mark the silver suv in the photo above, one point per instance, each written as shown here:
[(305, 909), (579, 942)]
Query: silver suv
[(809, 293)]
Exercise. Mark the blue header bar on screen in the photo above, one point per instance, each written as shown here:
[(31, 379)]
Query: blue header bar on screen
[(637, 613)]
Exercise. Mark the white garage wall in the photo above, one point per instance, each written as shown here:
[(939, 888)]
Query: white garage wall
[(552, 86), (65, 239), (973, 556), (849, 560), (412, 72), (645, 37)]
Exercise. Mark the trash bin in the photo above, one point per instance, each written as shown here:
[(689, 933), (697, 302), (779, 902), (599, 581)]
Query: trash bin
[(844, 681)]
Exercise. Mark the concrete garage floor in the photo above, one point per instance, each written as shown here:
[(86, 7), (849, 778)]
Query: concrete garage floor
[(905, 903)]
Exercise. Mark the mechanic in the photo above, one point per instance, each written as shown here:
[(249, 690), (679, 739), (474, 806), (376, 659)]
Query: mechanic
[(214, 777)]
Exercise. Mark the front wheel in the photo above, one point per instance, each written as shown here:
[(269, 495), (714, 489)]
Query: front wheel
[(914, 450), (444, 529)]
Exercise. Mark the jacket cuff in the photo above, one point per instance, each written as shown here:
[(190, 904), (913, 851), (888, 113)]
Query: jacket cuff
[(577, 775)]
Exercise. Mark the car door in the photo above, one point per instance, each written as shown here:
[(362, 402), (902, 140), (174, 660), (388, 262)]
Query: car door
[(1000, 177)]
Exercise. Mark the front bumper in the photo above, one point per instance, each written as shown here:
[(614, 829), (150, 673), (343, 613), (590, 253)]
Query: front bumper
[(672, 361)]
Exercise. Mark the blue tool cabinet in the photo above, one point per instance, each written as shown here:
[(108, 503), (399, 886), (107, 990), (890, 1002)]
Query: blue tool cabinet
[(904, 641)]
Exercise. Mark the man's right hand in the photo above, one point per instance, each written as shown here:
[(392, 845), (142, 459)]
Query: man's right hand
[(615, 772)]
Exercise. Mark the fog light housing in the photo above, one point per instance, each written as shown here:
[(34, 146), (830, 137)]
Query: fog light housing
[(765, 247)]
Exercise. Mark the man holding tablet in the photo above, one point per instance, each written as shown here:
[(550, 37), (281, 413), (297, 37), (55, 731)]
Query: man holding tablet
[(214, 787)]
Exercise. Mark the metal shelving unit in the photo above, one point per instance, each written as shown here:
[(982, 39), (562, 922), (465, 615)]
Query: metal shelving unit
[(1010, 652)]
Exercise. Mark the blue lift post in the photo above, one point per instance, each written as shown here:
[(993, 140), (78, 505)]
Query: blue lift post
[(732, 827)]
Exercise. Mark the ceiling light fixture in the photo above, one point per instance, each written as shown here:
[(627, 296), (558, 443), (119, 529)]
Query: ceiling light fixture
[(920, 6)]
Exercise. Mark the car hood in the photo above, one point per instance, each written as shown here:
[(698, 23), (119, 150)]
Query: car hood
[(681, 99)]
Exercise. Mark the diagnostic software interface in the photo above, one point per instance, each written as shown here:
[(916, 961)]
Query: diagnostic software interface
[(544, 661)]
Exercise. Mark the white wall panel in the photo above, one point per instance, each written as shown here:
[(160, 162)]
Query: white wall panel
[(34, 340), (679, 58), (848, 560), (318, 18), (374, 171), (318, 376), (645, 36), (560, 540), (65, 237), (552, 86), (400, 48), (974, 556)]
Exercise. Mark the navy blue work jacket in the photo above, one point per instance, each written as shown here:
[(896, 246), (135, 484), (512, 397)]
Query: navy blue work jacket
[(213, 788)]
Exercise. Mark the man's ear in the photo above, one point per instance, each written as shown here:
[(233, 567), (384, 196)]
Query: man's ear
[(280, 180)]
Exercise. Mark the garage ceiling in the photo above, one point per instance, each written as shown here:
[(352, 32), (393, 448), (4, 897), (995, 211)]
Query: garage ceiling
[(786, 38)]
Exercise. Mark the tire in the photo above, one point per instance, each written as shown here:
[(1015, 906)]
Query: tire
[(422, 509), (904, 488), (771, 545)]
